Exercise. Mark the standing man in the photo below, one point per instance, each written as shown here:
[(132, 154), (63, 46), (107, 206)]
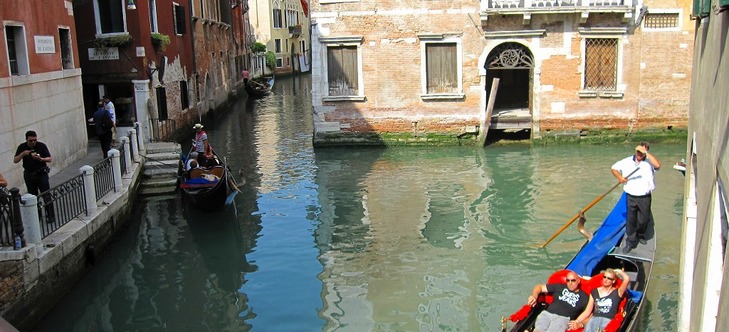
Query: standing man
[(201, 146), (103, 125), (638, 187), (109, 106), (35, 156)]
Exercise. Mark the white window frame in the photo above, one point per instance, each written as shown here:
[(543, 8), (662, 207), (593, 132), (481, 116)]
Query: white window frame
[(606, 33), (663, 11), (339, 42), (97, 19), (279, 62), (277, 6), (425, 40), (175, 5), (277, 48), (21, 48)]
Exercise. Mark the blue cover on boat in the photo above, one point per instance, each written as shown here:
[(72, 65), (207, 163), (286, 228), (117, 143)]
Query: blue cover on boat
[(604, 239), (199, 181)]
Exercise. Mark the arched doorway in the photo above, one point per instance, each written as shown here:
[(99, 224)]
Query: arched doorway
[(513, 64)]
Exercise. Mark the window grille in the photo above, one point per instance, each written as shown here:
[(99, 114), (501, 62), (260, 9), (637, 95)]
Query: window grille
[(660, 20), (601, 64)]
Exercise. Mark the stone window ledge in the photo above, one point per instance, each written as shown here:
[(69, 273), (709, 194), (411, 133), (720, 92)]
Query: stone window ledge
[(344, 98), (443, 96), (600, 94)]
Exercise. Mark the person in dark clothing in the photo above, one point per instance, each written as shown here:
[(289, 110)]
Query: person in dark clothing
[(569, 302), (35, 156), (103, 124)]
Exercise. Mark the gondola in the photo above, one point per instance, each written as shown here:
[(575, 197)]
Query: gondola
[(601, 252), (206, 187), (259, 88)]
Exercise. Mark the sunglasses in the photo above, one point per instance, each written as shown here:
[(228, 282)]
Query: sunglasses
[(571, 280), (608, 278)]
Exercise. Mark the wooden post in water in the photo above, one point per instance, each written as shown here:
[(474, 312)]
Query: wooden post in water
[(486, 121)]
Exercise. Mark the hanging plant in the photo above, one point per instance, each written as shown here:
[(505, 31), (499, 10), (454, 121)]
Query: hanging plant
[(258, 47), (120, 40), (271, 60), (160, 41)]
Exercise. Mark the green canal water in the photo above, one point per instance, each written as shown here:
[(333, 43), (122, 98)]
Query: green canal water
[(362, 239)]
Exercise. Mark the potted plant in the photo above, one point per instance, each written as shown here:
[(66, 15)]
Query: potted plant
[(160, 41), (119, 40)]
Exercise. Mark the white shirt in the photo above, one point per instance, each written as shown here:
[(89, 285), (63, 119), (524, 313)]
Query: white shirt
[(640, 183), (110, 107)]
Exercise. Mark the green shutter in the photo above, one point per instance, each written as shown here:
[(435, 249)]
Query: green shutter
[(702, 8), (724, 2)]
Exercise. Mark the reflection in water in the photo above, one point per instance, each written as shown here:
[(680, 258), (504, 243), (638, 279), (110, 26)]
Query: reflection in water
[(360, 239)]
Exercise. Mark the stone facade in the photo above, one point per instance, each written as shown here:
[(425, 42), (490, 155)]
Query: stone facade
[(538, 51), (283, 26)]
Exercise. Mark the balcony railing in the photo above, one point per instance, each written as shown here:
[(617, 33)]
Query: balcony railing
[(536, 4), (295, 31), (582, 7)]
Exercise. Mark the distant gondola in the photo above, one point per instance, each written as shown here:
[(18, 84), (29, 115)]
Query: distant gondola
[(599, 253), (257, 88)]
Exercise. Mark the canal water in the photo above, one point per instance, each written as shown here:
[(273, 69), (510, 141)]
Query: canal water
[(361, 239)]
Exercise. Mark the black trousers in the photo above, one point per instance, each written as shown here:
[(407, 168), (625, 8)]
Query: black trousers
[(105, 140), (639, 217), (37, 182)]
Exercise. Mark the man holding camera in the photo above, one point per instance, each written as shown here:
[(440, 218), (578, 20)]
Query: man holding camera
[(34, 155)]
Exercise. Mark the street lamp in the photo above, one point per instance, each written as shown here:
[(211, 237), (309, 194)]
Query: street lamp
[(131, 5)]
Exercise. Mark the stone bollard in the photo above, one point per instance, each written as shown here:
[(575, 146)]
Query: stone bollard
[(135, 147), (140, 135), (89, 188), (127, 154), (31, 221), (116, 168)]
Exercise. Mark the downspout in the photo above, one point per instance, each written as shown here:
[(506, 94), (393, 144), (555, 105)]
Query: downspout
[(194, 62)]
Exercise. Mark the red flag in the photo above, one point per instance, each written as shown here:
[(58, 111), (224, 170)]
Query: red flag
[(305, 7)]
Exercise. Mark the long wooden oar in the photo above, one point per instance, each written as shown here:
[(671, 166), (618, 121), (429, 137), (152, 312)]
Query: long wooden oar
[(583, 211)]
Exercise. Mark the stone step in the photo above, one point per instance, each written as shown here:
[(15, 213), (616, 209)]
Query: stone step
[(163, 147), (160, 197), (160, 172), (157, 191), (162, 163), (159, 182), (163, 156)]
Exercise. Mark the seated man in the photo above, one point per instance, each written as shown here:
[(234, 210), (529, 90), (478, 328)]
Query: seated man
[(569, 302), (193, 158)]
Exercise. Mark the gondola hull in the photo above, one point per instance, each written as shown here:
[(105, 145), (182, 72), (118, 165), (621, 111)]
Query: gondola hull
[(256, 89), (207, 195), (602, 252)]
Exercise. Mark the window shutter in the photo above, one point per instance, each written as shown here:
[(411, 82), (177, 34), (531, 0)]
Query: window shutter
[(724, 3)]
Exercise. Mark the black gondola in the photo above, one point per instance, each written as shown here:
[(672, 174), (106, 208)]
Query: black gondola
[(601, 252), (257, 88), (207, 187)]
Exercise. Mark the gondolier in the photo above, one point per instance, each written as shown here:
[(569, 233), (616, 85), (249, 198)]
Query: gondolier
[(201, 146), (638, 187)]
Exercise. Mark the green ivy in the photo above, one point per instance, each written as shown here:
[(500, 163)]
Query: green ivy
[(160, 40), (271, 60)]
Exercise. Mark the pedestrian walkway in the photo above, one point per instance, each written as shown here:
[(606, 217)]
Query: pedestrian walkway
[(93, 157)]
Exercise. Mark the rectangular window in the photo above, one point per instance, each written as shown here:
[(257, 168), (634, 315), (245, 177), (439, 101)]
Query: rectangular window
[(342, 69), (110, 16), (279, 62), (277, 45), (184, 99), (179, 19), (601, 64), (17, 55), (64, 38), (660, 21), (161, 103), (153, 15), (441, 68), (277, 18)]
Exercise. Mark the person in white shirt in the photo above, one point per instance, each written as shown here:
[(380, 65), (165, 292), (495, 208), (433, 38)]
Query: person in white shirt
[(638, 185), (109, 106)]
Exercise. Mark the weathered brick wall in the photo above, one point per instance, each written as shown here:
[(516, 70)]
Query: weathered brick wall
[(654, 85)]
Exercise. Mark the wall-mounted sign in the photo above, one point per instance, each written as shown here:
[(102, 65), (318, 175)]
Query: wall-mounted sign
[(140, 52), (45, 44), (108, 53)]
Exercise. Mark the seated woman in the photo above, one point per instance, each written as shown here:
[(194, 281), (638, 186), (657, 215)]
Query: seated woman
[(604, 301)]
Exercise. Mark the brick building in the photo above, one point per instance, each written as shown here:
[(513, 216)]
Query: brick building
[(409, 71), (283, 26), (40, 83)]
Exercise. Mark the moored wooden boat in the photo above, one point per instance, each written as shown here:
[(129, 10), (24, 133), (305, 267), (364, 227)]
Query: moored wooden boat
[(207, 188), (603, 251)]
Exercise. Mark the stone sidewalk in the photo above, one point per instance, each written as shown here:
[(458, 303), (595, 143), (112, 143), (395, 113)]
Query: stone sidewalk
[(93, 157)]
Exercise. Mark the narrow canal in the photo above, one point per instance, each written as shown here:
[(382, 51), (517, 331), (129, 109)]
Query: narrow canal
[(365, 239)]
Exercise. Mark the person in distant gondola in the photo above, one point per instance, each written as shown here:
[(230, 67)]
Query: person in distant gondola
[(193, 157), (569, 302), (201, 146), (639, 190)]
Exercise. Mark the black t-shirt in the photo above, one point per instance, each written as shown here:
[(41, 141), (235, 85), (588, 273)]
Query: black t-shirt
[(30, 164), (566, 303), (606, 306)]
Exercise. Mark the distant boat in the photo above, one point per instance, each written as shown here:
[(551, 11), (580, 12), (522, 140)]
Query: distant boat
[(601, 252), (258, 88)]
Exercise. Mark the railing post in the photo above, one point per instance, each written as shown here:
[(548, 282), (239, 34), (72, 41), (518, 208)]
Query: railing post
[(140, 136), (116, 169), (89, 188), (135, 147), (127, 156), (17, 222), (31, 220)]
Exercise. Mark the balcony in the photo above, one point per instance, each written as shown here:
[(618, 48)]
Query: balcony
[(582, 7), (295, 31)]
